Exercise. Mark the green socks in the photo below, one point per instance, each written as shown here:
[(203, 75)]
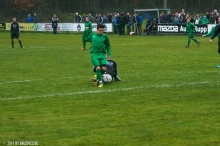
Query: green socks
[(99, 75)]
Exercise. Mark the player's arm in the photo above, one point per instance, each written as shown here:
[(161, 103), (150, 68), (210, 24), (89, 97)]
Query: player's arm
[(18, 28), (211, 31), (216, 32), (11, 28), (107, 46), (90, 27)]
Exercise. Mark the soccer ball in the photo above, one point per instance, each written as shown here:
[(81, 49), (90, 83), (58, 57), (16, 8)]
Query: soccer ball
[(131, 33), (107, 78)]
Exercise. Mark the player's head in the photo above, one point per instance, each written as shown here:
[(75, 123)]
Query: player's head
[(100, 29), (14, 19), (86, 18), (187, 20)]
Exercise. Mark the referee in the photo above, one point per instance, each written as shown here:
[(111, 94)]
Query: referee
[(15, 32)]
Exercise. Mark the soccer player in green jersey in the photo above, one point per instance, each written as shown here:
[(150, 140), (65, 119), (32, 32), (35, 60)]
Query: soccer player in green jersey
[(213, 33), (190, 28), (87, 31), (100, 51)]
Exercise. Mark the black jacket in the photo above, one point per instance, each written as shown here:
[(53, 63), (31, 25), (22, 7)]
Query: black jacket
[(122, 19), (15, 28), (78, 19), (54, 22)]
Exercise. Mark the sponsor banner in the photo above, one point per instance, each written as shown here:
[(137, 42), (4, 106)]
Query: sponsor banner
[(210, 26), (2, 25), (169, 28), (78, 27), (24, 26), (81, 27), (46, 27)]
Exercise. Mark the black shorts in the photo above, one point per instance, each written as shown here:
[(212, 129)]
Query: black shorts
[(110, 72), (14, 35)]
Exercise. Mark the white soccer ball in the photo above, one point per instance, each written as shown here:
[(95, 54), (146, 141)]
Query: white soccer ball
[(132, 33), (107, 78)]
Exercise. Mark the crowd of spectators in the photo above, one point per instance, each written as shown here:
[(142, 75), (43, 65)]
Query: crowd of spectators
[(211, 17), (133, 22)]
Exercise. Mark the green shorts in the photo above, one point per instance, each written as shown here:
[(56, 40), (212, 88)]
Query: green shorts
[(190, 35), (98, 59)]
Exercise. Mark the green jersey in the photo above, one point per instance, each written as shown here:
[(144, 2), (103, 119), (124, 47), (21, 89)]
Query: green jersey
[(100, 44), (88, 28), (212, 31), (190, 28)]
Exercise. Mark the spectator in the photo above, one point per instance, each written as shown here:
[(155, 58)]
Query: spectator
[(127, 17), (148, 27), (207, 15), (155, 22), (35, 18), (54, 23), (121, 22), (196, 19), (78, 18), (182, 19), (109, 18), (100, 19), (168, 17), (96, 18), (212, 19), (29, 19), (176, 19), (172, 17), (115, 24), (139, 19), (182, 13), (203, 20), (162, 18), (130, 23), (91, 19), (104, 19), (215, 12)]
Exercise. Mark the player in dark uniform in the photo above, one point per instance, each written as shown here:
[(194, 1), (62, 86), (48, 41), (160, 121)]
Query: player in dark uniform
[(111, 70), (54, 23), (15, 32)]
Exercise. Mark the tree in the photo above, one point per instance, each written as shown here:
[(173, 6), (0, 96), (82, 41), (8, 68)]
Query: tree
[(23, 5)]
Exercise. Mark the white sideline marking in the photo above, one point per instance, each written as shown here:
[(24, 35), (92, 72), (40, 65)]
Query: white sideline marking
[(22, 81), (109, 90)]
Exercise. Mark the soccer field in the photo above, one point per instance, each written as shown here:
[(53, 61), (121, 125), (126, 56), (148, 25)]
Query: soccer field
[(169, 96)]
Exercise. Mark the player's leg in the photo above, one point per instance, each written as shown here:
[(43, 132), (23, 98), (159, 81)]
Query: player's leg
[(12, 43), (116, 71), (218, 50), (84, 42), (188, 43), (195, 40), (19, 40), (96, 63)]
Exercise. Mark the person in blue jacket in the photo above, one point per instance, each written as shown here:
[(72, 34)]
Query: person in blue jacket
[(139, 22), (29, 19)]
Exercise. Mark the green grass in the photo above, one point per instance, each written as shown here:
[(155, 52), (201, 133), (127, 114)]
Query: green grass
[(170, 95)]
